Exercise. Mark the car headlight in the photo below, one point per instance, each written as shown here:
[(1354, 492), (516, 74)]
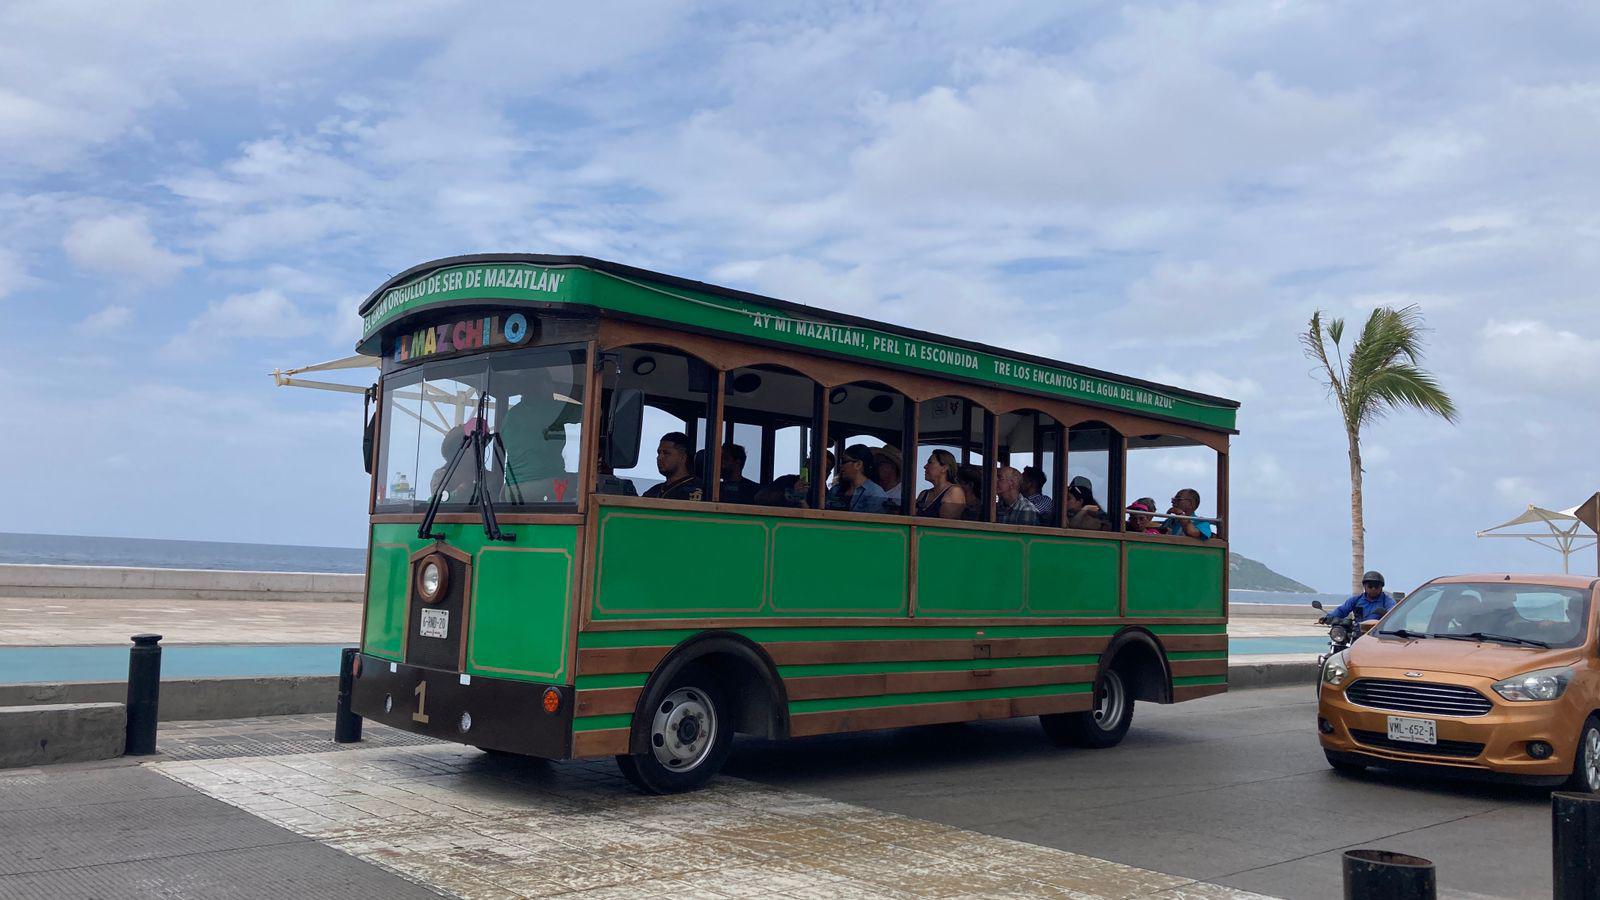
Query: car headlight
[(1336, 669), (431, 578), (1545, 684)]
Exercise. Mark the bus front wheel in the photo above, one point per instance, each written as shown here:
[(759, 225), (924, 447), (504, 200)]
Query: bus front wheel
[(1103, 726), (688, 734)]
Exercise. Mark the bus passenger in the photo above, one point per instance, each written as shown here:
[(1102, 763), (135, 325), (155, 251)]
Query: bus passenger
[(972, 485), (735, 487), (672, 461), (1083, 510), (886, 474), (1013, 508), (945, 500), (460, 485), (1033, 481), (1139, 516), (859, 492), (1184, 503), (534, 431)]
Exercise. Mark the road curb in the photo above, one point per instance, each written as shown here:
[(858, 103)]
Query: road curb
[(1243, 676), (187, 699)]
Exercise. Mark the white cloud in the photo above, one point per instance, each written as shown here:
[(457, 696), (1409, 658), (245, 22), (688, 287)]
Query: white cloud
[(122, 245), (265, 314), (1515, 488), (13, 274), (109, 320), (1539, 355)]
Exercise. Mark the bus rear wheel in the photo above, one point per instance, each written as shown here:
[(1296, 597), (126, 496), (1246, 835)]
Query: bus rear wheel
[(688, 734), (1103, 726)]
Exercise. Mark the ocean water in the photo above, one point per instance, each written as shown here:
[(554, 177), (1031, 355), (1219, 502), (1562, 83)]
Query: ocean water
[(76, 550)]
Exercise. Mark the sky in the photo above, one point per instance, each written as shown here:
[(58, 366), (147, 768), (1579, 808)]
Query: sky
[(194, 194)]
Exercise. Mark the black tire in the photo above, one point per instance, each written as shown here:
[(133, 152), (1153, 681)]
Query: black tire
[(673, 726), (1343, 766), (1586, 766), (1099, 728)]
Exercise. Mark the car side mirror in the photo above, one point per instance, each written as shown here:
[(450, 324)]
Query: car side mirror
[(624, 427)]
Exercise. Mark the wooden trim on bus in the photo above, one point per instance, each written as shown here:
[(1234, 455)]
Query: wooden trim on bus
[(630, 660), (834, 721), (1184, 692), (977, 623), (1187, 668), (601, 742), (831, 372)]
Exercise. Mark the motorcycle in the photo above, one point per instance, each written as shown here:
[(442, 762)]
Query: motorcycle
[(1342, 633)]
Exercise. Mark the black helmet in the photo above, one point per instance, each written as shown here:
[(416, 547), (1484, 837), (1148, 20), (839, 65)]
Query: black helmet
[(1373, 576)]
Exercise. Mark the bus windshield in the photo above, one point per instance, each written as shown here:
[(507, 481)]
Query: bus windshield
[(534, 404), (1534, 614)]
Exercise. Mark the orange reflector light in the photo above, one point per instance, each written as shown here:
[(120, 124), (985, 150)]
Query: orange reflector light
[(355, 666), (552, 700)]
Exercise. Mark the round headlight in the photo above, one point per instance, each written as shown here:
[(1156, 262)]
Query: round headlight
[(432, 578), (1338, 633)]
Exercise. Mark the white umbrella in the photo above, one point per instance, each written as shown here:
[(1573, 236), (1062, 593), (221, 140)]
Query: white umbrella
[(1560, 530)]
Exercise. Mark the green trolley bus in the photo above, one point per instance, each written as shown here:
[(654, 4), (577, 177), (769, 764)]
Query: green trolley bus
[(620, 513)]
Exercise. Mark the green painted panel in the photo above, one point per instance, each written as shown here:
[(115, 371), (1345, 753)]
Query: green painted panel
[(804, 706), (1174, 580), (520, 619), (1072, 577), (595, 682), (819, 568), (969, 573), (595, 723), (1200, 679), (520, 608), (386, 600), (668, 564)]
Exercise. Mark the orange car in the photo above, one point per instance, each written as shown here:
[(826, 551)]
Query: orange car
[(1483, 674)]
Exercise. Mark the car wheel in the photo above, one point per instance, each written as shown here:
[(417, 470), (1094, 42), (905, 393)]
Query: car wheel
[(688, 735), (1586, 768), (1103, 726), (1344, 766)]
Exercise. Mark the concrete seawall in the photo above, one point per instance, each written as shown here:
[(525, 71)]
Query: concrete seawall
[(184, 699), (126, 583)]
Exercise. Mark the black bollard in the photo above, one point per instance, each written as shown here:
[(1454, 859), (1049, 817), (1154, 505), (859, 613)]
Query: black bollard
[(144, 693), (1575, 845), (1381, 875), (346, 724)]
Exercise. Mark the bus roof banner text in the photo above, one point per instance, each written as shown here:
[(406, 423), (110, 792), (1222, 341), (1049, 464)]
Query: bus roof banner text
[(496, 282)]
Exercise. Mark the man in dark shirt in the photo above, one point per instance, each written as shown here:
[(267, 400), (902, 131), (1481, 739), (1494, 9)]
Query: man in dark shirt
[(735, 487), (672, 461)]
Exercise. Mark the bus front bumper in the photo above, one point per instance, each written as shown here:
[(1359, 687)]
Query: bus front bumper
[(491, 713)]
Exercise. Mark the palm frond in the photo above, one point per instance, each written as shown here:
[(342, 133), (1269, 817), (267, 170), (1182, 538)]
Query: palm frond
[(1316, 348), (1390, 336), (1405, 386)]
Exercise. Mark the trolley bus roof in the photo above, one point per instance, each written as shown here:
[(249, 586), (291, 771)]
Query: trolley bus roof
[(513, 279)]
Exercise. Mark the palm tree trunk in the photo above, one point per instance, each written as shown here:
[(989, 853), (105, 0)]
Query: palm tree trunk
[(1358, 524)]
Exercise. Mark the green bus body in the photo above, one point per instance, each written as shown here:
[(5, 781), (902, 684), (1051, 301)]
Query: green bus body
[(840, 623)]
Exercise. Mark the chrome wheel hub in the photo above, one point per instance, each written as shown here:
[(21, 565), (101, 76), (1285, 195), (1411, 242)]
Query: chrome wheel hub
[(1109, 705), (683, 729)]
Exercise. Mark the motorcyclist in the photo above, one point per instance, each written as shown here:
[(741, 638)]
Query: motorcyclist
[(1369, 605)]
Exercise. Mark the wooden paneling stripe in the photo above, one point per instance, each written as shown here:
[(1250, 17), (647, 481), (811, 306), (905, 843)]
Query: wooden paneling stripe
[(828, 687), (620, 660), (1179, 643), (1196, 691), (1186, 667), (836, 721), (607, 701), (609, 742)]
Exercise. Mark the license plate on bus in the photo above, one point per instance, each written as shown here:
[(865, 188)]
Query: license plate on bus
[(436, 624), (1413, 731)]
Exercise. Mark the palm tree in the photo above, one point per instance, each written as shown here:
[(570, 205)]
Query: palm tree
[(1382, 373)]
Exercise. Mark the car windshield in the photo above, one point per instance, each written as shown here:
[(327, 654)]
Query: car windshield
[(1524, 614), (535, 404)]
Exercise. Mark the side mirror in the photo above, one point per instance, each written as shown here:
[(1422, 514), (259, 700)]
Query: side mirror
[(1316, 604), (624, 425), (367, 431)]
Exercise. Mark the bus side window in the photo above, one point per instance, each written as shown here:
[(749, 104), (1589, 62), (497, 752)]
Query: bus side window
[(1029, 442), (1091, 498), (1164, 470), (874, 416), (952, 432), (782, 404), (677, 402)]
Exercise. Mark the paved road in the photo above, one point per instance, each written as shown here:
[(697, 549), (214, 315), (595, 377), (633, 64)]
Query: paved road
[(1231, 789)]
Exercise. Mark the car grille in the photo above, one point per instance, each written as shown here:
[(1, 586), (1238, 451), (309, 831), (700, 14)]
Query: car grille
[(1463, 749), (1408, 696)]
